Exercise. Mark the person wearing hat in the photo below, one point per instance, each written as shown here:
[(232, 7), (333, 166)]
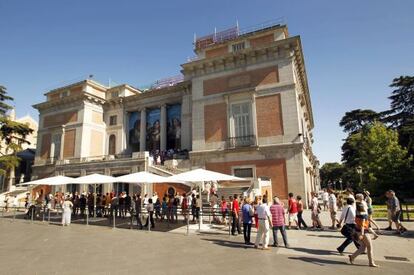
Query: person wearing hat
[(370, 209)]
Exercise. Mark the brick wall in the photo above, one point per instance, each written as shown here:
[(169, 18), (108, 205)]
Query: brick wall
[(216, 52), (45, 149), (249, 79), (275, 169), (69, 143), (262, 40), (215, 122), (60, 119), (269, 116)]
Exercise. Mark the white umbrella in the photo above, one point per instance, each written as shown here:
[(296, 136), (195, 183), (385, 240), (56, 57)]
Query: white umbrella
[(144, 177), (200, 176), (93, 179), (56, 180)]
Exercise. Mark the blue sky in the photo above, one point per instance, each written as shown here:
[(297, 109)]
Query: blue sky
[(353, 49)]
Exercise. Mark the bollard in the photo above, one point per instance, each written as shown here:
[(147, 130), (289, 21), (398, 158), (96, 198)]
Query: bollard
[(43, 215), (230, 226), (14, 214), (87, 218), (188, 225), (48, 217), (32, 213), (113, 223)]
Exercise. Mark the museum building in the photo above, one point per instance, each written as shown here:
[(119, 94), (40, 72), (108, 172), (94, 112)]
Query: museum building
[(241, 106)]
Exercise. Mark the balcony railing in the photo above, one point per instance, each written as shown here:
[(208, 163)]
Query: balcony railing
[(242, 141)]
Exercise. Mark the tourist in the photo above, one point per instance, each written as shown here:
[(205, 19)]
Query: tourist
[(395, 211), (157, 207), (128, 203), (248, 213), (184, 207), (170, 203), (316, 222), (199, 205), (235, 216), (150, 209), (325, 199), (164, 208), (82, 204), (362, 234), (145, 201), (256, 203), (348, 218), (293, 210), (214, 206), (368, 201), (90, 202), (6, 202), (67, 211), (193, 206), (223, 209), (301, 221), (278, 222), (114, 205), (138, 205), (333, 207), (265, 222)]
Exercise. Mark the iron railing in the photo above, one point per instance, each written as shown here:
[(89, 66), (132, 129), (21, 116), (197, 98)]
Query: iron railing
[(242, 141)]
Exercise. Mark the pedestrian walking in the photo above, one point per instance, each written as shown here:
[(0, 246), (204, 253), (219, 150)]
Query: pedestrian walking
[(67, 211), (235, 216), (301, 221), (348, 229), (292, 211)]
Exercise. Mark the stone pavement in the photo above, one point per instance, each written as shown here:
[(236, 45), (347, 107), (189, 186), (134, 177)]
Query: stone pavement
[(38, 248)]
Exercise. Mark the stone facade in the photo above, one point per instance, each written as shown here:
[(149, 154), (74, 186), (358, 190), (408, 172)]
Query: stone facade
[(244, 109)]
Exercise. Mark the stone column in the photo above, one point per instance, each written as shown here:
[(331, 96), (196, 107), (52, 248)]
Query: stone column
[(62, 142), (163, 128), (143, 130)]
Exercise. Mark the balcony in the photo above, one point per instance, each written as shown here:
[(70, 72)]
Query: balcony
[(242, 141)]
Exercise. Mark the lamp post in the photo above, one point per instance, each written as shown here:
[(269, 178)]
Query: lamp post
[(359, 171)]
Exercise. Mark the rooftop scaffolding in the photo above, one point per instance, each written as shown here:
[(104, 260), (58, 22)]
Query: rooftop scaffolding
[(233, 33)]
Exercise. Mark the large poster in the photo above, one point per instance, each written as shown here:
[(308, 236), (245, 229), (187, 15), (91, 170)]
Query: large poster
[(134, 127), (153, 129), (174, 126)]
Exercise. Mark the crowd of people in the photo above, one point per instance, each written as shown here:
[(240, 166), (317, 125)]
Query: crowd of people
[(355, 221)]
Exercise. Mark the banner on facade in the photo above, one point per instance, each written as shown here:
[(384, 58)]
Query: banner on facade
[(153, 129), (134, 128), (174, 126)]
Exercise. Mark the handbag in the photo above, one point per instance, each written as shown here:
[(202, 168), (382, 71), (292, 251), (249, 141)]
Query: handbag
[(251, 211), (347, 230)]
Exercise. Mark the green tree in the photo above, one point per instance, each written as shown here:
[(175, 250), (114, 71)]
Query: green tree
[(384, 162), (354, 120), (401, 113), (12, 134), (331, 173)]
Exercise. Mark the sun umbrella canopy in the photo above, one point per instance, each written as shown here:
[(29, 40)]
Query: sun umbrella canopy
[(94, 179), (56, 180), (142, 177), (200, 175)]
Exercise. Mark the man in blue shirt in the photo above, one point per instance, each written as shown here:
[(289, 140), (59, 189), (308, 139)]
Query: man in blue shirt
[(247, 212)]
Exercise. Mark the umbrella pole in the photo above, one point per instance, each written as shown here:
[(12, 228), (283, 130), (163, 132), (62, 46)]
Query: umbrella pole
[(94, 201), (200, 219)]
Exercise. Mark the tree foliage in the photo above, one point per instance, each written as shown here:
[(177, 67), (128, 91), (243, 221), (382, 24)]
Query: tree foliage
[(331, 173), (12, 134), (354, 120)]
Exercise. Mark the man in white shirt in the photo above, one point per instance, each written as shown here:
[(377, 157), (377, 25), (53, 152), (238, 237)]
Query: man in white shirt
[(265, 223), (332, 206), (348, 217)]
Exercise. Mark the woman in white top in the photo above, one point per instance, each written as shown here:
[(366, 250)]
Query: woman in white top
[(150, 209), (67, 212)]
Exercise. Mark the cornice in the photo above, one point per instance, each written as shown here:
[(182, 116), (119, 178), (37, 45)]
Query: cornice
[(69, 101)]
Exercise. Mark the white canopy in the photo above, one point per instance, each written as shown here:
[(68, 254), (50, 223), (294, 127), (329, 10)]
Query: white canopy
[(93, 179), (56, 180), (201, 175), (143, 177)]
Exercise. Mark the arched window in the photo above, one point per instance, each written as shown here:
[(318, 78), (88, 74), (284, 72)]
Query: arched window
[(112, 144)]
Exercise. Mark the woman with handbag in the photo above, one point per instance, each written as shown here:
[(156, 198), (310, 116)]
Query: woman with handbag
[(348, 217)]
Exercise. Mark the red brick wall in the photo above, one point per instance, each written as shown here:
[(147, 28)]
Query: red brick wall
[(216, 52), (45, 149), (275, 169), (262, 40), (269, 116), (249, 79), (60, 119), (215, 122), (69, 143)]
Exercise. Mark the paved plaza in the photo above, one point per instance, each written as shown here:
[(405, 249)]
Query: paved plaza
[(39, 248)]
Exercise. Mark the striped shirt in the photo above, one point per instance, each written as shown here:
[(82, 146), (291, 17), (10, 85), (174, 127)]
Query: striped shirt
[(278, 215)]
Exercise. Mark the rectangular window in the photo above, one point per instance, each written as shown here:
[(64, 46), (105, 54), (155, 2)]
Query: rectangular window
[(241, 127), (243, 172), (112, 120), (64, 94), (238, 47), (114, 94)]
